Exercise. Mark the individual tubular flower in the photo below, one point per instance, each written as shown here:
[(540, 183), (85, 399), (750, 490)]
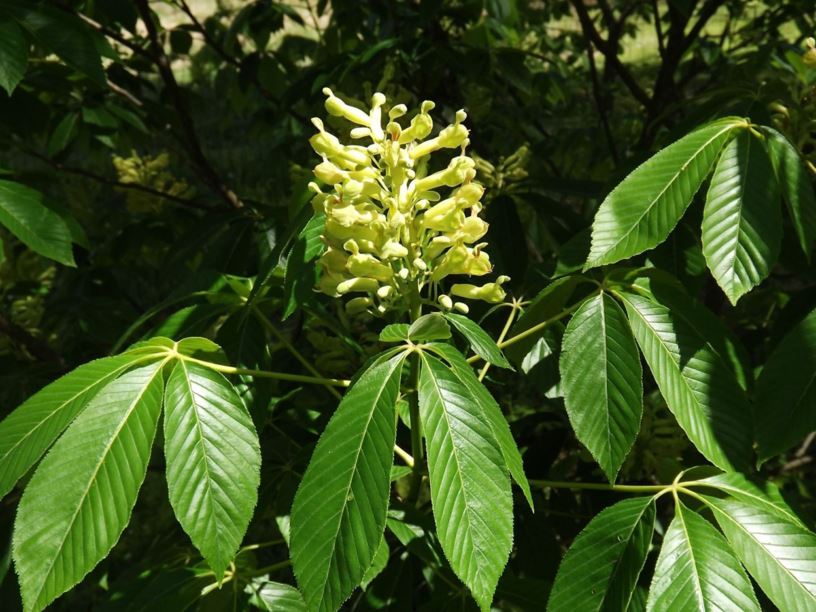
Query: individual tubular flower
[(397, 233)]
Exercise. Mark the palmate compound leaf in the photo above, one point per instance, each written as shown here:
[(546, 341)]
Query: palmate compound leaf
[(780, 555), (602, 381), (470, 486), (642, 210), (786, 391), (490, 413), (601, 568), (338, 515), (742, 221), (695, 380), (213, 461), (28, 431), (80, 498), (697, 571)]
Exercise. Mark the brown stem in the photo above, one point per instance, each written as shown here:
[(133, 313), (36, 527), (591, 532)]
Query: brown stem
[(159, 57)]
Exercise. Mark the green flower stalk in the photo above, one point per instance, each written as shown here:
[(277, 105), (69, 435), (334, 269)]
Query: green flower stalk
[(395, 231)]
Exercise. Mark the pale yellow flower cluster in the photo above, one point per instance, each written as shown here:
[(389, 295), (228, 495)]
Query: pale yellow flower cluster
[(395, 231)]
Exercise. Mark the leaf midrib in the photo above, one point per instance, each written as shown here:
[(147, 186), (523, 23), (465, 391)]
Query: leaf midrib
[(341, 515), (694, 399), (751, 537), (95, 473), (455, 454), (671, 182)]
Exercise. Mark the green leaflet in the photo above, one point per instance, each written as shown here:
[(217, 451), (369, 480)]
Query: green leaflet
[(396, 332), (601, 568), (781, 556), (429, 327), (24, 214), (377, 564), (602, 381), (213, 461), (338, 515), (470, 488), (796, 186), (762, 495), (785, 408), (490, 413), (696, 570), (299, 279), (80, 498), (28, 431), (275, 596), (481, 343), (697, 384), (13, 54), (642, 210), (742, 223)]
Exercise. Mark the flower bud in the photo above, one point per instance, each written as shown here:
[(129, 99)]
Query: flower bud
[(338, 108), (445, 302), (357, 305), (384, 292), (370, 266), (461, 307), (358, 284), (456, 173), (489, 292)]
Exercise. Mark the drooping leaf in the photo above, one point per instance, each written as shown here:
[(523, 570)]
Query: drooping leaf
[(786, 391), (339, 511), (213, 461), (781, 556), (429, 327), (602, 381), (696, 570), (490, 413), (31, 429), (470, 487), (13, 54), (698, 386), (299, 279), (275, 596), (601, 568), (481, 343), (63, 34), (24, 214), (795, 183), (642, 210), (742, 221), (80, 498)]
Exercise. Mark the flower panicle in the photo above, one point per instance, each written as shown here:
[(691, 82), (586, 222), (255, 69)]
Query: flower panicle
[(395, 229)]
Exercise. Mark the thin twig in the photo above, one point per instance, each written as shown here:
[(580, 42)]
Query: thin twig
[(159, 57)]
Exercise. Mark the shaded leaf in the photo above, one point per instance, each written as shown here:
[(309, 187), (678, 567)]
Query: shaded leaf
[(601, 568), (396, 332), (795, 183), (786, 391), (742, 223), (698, 386), (275, 596), (24, 213), (429, 327), (13, 54)]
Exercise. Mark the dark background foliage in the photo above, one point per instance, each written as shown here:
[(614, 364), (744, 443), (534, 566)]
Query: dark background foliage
[(175, 134)]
